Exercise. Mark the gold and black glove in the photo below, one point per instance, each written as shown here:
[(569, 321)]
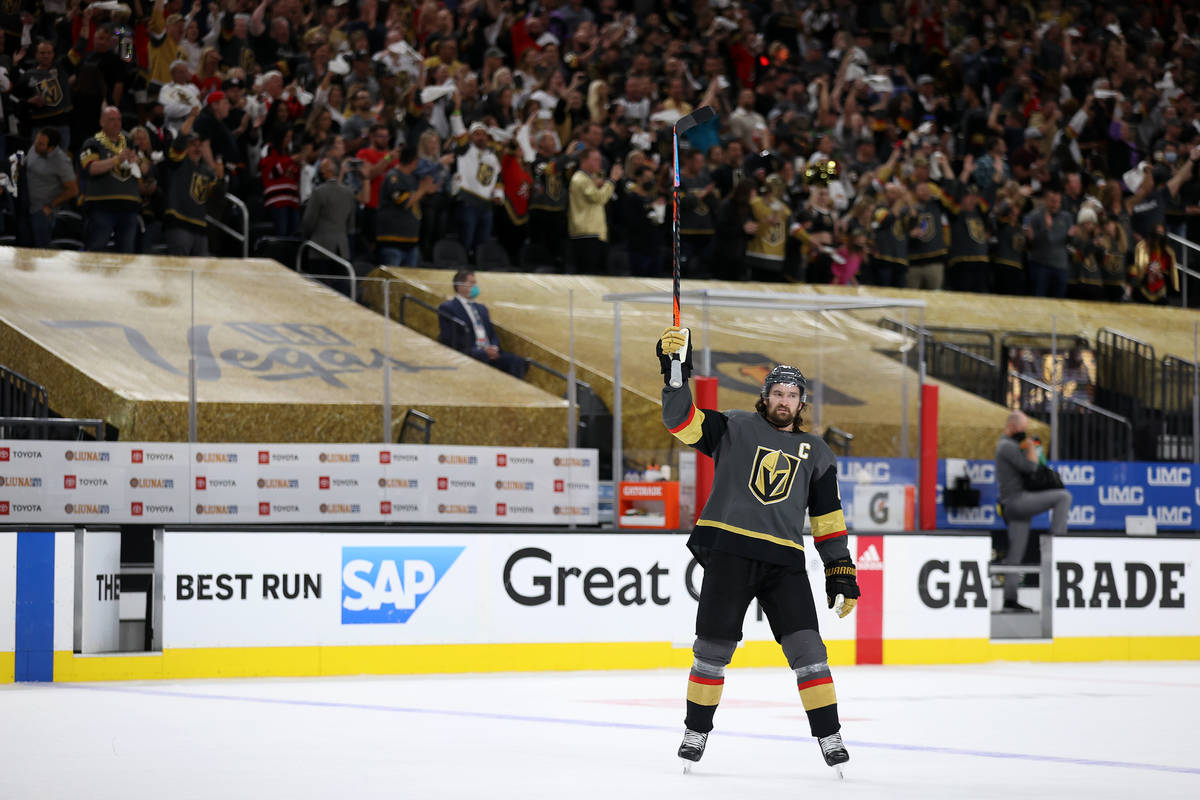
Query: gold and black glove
[(675, 344), (841, 585)]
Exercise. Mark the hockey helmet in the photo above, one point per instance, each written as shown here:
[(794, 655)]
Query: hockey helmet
[(789, 376)]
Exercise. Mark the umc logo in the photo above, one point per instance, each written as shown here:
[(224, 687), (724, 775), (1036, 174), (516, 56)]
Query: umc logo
[(1078, 475), (772, 475), (1169, 476), (382, 585)]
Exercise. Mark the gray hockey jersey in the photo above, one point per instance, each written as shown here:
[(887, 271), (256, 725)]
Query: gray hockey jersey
[(763, 482)]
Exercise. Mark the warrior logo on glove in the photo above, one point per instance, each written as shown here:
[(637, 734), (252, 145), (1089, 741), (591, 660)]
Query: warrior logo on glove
[(841, 585)]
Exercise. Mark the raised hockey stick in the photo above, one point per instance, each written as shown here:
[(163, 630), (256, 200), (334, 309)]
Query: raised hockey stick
[(686, 123)]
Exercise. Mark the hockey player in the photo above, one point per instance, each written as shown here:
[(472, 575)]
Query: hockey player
[(768, 472)]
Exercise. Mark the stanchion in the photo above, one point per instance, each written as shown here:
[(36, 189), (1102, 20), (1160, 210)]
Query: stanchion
[(928, 455)]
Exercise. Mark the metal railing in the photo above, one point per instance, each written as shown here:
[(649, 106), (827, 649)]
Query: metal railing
[(1125, 369), (1187, 246), (967, 370), (973, 340), (838, 439), (1180, 411), (309, 244), (418, 421), (965, 364), (408, 298), (21, 396), (244, 235), (9, 426), (1084, 431)]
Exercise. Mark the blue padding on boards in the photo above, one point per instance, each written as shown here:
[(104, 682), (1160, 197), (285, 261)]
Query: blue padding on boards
[(35, 606)]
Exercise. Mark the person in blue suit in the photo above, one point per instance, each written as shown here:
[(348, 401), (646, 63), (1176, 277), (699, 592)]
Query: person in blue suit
[(475, 336)]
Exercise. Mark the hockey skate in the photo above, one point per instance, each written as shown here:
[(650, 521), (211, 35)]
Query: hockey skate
[(834, 751), (692, 747)]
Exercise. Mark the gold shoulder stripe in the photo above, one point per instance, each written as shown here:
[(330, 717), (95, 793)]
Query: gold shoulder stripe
[(766, 537)]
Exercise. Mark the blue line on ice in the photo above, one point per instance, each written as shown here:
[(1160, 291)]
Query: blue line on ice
[(445, 712)]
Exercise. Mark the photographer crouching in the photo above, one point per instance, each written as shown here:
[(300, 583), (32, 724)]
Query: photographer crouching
[(1022, 498)]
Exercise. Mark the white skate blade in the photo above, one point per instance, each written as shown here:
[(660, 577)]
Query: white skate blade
[(687, 765), (838, 769)]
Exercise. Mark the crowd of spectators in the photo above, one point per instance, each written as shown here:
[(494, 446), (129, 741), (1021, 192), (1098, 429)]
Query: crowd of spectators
[(1042, 147)]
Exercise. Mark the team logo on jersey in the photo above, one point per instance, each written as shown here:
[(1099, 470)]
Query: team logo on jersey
[(485, 173), (772, 475), (51, 91), (976, 230), (201, 187), (926, 227)]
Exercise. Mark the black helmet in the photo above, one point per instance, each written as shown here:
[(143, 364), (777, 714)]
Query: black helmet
[(786, 375)]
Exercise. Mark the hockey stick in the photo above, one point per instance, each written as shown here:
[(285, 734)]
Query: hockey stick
[(686, 123)]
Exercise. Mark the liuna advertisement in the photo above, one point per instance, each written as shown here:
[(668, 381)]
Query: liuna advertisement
[(206, 483)]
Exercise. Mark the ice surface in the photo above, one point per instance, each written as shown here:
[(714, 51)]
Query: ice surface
[(1003, 730)]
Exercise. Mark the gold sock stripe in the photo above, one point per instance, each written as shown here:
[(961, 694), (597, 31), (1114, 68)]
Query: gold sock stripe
[(817, 693), (704, 691)]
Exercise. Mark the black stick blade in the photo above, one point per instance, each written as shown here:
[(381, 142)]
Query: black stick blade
[(696, 118)]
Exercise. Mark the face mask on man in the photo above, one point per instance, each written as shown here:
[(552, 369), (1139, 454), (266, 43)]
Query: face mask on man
[(473, 293)]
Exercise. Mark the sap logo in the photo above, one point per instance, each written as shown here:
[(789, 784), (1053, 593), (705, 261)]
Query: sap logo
[(982, 515), (1169, 476), (1082, 515), (1122, 495), (865, 472), (1078, 475), (382, 585), (1173, 515)]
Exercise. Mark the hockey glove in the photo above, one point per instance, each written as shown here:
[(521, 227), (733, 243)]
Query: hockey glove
[(841, 585), (675, 344)]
